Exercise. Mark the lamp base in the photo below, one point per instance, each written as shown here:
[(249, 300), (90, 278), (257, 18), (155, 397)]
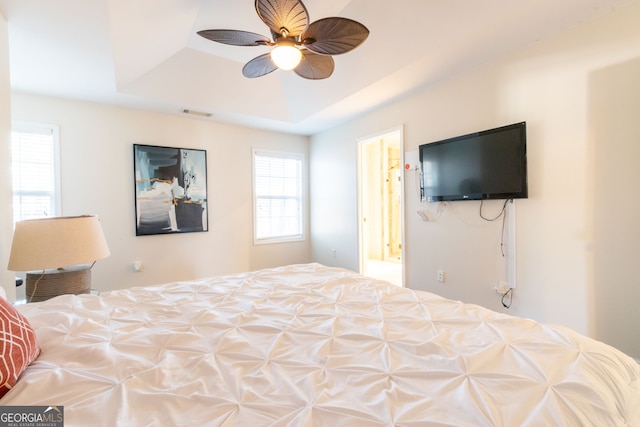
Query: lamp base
[(51, 283)]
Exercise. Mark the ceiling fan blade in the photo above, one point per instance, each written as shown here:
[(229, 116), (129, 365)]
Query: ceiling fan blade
[(278, 14), (315, 67), (259, 66), (235, 37), (334, 36)]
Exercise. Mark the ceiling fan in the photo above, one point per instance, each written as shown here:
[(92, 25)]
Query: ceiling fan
[(300, 46)]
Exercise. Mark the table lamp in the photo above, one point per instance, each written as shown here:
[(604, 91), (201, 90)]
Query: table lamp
[(57, 254)]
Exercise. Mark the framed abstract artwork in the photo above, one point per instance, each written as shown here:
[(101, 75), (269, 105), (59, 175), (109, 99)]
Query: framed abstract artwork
[(170, 190)]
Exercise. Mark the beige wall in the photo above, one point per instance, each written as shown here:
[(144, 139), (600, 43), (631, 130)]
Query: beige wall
[(576, 240), (7, 278), (96, 151), (614, 217)]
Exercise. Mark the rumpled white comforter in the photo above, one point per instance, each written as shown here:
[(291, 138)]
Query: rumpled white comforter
[(308, 345)]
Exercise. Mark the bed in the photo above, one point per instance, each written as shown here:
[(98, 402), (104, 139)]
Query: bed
[(310, 345)]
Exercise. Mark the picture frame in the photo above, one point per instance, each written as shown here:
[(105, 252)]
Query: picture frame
[(170, 190)]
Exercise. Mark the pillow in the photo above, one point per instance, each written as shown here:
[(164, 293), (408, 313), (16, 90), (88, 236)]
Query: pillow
[(18, 346)]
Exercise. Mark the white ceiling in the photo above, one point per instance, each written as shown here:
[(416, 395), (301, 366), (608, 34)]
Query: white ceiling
[(146, 53)]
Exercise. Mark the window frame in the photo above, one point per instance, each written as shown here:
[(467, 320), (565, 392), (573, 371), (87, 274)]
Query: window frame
[(27, 127), (281, 154)]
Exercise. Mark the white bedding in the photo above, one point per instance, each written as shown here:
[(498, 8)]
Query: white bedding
[(309, 345)]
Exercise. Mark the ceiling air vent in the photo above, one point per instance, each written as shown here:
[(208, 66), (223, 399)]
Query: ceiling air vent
[(196, 113)]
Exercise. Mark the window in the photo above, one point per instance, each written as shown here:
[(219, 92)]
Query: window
[(278, 198), (34, 170)]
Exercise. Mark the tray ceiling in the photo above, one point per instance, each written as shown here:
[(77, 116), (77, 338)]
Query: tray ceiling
[(146, 53)]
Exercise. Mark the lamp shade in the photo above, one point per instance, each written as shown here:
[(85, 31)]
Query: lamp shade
[(40, 244)]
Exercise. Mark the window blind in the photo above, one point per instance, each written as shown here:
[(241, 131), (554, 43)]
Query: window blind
[(34, 172), (278, 198)]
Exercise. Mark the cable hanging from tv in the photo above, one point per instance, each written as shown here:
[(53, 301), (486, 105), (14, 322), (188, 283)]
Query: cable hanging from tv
[(502, 214)]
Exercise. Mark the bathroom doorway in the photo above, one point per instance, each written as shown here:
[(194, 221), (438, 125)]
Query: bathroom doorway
[(380, 201)]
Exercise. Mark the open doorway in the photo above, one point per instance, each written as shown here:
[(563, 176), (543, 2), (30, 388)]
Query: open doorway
[(380, 201)]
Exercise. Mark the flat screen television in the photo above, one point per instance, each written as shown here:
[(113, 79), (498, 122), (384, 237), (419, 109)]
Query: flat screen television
[(491, 164)]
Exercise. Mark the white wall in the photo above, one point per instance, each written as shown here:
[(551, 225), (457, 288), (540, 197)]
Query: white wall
[(7, 278), (559, 87), (96, 144)]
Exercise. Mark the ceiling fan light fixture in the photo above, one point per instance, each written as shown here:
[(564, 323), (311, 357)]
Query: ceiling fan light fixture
[(307, 48), (286, 56)]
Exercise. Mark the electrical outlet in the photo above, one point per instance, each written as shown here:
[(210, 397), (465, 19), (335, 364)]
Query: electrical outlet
[(441, 276), (333, 253)]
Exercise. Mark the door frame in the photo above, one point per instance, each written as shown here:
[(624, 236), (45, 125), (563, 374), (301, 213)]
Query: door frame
[(362, 244)]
